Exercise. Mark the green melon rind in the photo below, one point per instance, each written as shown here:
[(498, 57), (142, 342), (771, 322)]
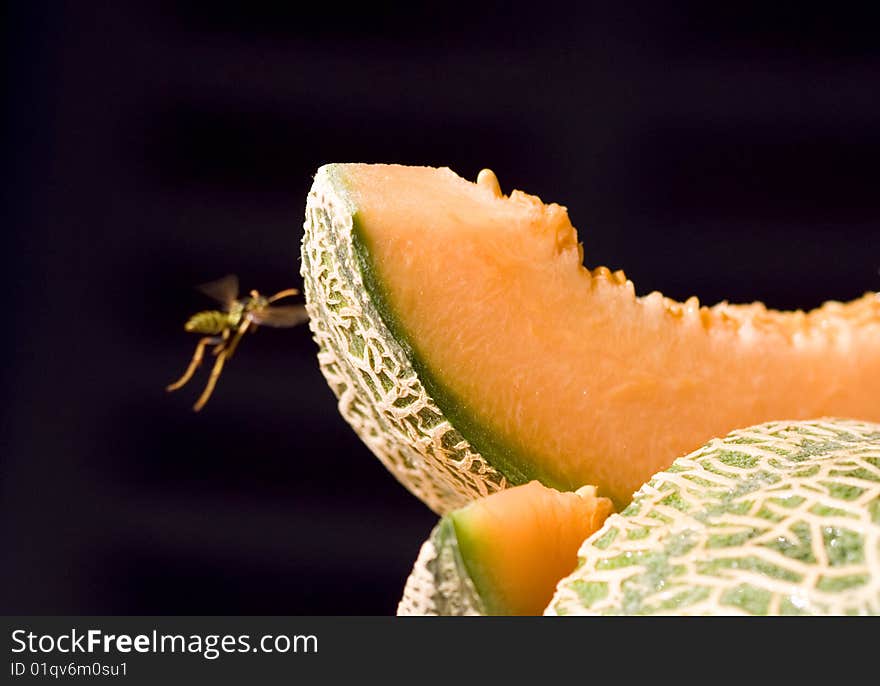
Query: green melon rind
[(439, 584), (780, 518), (469, 542), (509, 459), (379, 392)]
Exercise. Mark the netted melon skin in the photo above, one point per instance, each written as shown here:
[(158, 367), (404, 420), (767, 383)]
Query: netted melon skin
[(439, 584), (378, 391), (781, 518)]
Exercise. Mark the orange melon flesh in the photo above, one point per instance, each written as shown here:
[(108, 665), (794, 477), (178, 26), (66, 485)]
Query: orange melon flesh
[(558, 373), (518, 544)]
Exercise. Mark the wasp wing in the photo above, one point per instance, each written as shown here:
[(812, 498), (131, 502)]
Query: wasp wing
[(280, 317), (223, 290)]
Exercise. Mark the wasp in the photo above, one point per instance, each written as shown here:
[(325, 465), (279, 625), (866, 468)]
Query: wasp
[(225, 328)]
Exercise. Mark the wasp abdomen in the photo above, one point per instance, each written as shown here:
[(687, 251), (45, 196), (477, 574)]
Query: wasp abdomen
[(209, 321)]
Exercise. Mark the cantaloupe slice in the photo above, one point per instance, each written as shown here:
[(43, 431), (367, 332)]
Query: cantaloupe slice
[(777, 519), (471, 350), (503, 554)]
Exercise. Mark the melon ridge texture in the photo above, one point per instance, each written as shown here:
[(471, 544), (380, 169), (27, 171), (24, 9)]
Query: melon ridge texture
[(779, 518), (369, 371)]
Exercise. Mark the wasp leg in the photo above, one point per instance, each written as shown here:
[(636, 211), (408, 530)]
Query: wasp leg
[(196, 361), (233, 344), (223, 353), (283, 294), (212, 381), (220, 347)]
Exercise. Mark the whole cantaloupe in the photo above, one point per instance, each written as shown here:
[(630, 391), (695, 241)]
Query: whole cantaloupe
[(778, 519)]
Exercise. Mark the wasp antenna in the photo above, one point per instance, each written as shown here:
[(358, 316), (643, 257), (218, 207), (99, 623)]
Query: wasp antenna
[(283, 294)]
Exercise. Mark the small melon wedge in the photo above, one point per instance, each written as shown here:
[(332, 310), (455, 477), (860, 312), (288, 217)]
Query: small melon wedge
[(503, 554), (471, 349)]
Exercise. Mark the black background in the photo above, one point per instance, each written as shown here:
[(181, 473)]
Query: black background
[(728, 152)]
